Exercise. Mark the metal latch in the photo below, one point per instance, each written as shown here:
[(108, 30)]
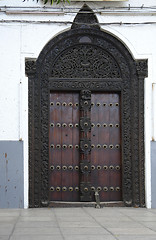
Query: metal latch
[(97, 199)]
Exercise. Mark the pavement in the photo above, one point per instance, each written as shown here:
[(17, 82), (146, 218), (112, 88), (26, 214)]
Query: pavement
[(85, 223)]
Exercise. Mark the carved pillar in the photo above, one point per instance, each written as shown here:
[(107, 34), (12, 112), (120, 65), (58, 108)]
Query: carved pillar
[(142, 72), (34, 153)]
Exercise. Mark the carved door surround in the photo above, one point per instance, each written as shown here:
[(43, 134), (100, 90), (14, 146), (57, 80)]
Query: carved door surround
[(87, 58)]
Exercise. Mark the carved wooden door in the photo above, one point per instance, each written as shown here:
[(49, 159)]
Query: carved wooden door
[(84, 146)]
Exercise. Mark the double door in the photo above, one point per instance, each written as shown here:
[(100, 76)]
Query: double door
[(85, 146)]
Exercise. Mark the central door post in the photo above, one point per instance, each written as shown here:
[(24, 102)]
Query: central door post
[(85, 146)]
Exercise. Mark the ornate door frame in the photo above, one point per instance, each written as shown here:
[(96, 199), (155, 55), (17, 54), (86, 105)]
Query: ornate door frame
[(87, 58)]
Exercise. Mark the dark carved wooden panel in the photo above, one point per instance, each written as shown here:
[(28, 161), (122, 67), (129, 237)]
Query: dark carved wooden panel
[(64, 147), (85, 56), (106, 162)]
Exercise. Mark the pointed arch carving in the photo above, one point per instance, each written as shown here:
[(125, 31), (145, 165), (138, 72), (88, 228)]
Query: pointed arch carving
[(87, 58)]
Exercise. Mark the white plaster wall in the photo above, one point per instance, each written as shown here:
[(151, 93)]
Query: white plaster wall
[(20, 40)]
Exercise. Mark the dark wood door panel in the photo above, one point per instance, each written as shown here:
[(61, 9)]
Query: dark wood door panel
[(65, 159), (106, 146), (64, 147)]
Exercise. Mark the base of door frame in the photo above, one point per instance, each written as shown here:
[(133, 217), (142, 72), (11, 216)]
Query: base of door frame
[(85, 204)]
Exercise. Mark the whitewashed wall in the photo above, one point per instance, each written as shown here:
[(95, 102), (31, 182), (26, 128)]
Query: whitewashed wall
[(20, 40)]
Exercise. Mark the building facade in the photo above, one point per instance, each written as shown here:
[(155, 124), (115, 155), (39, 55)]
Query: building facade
[(78, 85)]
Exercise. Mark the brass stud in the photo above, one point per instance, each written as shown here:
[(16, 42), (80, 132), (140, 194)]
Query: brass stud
[(64, 168), (92, 125), (111, 125), (70, 146), (104, 125), (86, 189), (111, 104), (76, 125), (117, 125), (93, 167), (111, 189), (85, 102), (70, 125), (52, 125), (58, 189), (64, 125), (111, 167), (117, 146), (111, 146), (99, 189), (92, 104), (104, 146), (58, 104), (86, 146), (98, 104), (58, 167), (116, 104), (117, 189), (52, 146), (85, 124), (76, 189), (76, 168), (58, 125), (98, 167), (117, 168), (85, 167), (92, 146), (64, 189), (70, 167), (52, 189), (104, 104), (105, 167), (105, 189), (52, 167), (76, 104), (58, 146), (98, 146), (52, 104), (70, 104), (77, 146), (64, 104), (98, 125), (70, 189), (93, 189), (64, 146)]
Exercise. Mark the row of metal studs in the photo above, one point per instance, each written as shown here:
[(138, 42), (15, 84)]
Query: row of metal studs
[(98, 104), (71, 125), (111, 167), (98, 146), (64, 167), (71, 189), (64, 125), (70, 104), (64, 104), (64, 146), (64, 189)]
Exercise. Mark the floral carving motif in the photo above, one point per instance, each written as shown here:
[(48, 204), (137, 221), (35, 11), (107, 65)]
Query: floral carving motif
[(85, 61)]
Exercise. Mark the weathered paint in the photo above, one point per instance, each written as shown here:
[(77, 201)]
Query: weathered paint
[(11, 174)]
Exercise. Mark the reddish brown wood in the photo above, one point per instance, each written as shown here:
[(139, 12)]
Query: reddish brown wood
[(104, 112), (67, 112)]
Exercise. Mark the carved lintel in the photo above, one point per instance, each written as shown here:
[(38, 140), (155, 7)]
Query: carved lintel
[(142, 68), (30, 67)]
